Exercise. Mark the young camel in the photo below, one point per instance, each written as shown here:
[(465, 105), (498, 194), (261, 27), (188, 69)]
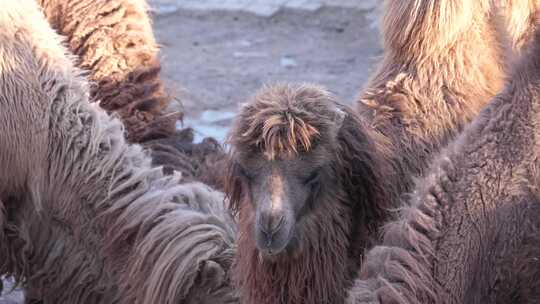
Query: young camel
[(84, 217)]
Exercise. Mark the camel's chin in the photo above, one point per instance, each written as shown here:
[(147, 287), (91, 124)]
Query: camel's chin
[(274, 256), (275, 250)]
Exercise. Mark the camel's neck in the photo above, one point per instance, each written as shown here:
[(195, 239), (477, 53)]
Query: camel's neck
[(319, 274), (501, 144)]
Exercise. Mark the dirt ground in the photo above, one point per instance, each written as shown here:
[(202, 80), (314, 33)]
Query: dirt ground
[(214, 60)]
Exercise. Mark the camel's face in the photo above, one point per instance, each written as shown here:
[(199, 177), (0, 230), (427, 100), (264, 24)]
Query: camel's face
[(282, 192), (283, 152)]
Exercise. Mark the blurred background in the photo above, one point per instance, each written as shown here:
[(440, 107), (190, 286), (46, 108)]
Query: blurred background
[(217, 53)]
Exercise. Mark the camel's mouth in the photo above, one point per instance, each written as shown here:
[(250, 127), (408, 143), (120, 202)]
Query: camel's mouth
[(275, 241)]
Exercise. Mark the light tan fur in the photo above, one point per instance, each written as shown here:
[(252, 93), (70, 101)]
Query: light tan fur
[(442, 62), (519, 21)]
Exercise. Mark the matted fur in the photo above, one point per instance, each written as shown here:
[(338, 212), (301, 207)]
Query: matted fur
[(278, 127), (85, 217), (470, 231), (287, 121), (204, 162), (115, 43), (443, 61)]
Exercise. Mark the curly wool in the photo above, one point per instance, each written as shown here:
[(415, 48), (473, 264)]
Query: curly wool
[(115, 43)]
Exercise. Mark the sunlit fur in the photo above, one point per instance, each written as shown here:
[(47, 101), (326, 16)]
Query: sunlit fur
[(519, 20), (470, 232), (85, 218), (442, 62)]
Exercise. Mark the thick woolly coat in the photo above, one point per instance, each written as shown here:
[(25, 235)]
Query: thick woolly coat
[(85, 217), (470, 231)]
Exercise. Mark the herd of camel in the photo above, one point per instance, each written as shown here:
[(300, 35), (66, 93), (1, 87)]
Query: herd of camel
[(427, 191)]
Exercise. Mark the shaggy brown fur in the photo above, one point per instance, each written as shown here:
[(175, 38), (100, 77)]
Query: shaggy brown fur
[(443, 61), (471, 228), (285, 122), (115, 42), (84, 216), (204, 162)]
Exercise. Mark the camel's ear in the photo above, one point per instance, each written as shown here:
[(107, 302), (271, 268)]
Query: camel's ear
[(339, 118)]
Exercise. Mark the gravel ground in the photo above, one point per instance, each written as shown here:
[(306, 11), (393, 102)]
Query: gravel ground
[(259, 7), (220, 58), (213, 60)]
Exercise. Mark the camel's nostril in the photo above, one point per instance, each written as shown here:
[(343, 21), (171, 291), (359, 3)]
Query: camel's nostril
[(268, 241), (273, 232), (271, 223), (276, 223)]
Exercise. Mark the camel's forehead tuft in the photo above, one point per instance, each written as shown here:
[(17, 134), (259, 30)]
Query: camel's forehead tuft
[(284, 121)]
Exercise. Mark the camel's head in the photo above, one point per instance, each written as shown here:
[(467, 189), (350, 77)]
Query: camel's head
[(283, 149)]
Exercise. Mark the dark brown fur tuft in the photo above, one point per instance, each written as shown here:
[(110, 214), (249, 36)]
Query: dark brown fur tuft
[(281, 127), (204, 162)]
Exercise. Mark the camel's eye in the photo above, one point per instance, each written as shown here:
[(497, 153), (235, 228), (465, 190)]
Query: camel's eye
[(312, 178), (245, 173)]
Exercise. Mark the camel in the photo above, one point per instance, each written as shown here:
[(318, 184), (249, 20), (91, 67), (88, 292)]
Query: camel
[(469, 233), (288, 204), (84, 216)]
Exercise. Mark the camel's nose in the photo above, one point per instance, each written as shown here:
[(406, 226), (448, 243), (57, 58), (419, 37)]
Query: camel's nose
[(273, 232), (270, 223)]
